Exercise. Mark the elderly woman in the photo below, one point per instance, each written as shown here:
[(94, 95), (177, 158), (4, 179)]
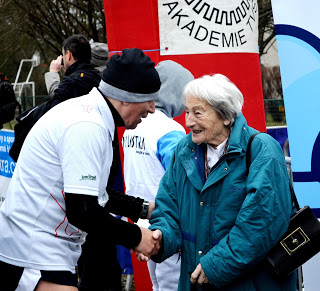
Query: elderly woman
[(220, 217)]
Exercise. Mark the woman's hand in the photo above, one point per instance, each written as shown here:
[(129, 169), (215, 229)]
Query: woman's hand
[(199, 276)]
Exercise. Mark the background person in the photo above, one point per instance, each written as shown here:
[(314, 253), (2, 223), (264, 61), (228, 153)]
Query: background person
[(80, 75), (223, 219), (147, 151), (8, 102), (57, 191), (99, 58), (99, 55)]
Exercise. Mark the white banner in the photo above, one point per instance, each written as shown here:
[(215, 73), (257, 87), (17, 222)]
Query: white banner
[(211, 26)]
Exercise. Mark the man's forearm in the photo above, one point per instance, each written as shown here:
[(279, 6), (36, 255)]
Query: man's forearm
[(124, 205), (52, 80), (84, 212)]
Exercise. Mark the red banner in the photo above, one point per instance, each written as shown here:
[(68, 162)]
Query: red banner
[(136, 24)]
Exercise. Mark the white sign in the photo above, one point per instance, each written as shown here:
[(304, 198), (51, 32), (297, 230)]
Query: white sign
[(210, 26)]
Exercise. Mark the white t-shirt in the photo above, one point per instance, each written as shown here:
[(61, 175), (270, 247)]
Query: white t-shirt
[(68, 150), (142, 168)]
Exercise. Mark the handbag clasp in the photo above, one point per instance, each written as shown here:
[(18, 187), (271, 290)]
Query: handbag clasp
[(294, 241)]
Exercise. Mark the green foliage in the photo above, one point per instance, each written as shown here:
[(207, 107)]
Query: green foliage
[(41, 25)]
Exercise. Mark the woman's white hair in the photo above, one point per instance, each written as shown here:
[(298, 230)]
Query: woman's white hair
[(223, 95)]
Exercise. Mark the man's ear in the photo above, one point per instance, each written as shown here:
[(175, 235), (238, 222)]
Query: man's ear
[(69, 55), (125, 103)]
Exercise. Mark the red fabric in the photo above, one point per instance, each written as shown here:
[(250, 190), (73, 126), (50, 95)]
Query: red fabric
[(135, 24), (141, 275)]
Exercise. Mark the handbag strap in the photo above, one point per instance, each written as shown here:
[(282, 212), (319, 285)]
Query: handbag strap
[(294, 197), (248, 161), (248, 154)]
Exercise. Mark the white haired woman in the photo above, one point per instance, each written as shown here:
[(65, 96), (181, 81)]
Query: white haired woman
[(222, 219)]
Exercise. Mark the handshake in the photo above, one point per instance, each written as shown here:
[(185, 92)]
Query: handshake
[(149, 245)]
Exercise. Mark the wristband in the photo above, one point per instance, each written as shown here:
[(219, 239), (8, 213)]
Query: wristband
[(145, 210)]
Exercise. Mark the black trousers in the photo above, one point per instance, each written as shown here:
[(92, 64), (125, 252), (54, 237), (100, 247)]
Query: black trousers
[(10, 276), (98, 267)]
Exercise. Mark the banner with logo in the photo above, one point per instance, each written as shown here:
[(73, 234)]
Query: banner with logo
[(297, 26), (7, 165), (196, 27), (206, 37)]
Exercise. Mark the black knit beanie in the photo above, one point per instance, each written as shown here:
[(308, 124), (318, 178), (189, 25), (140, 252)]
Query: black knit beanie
[(130, 77)]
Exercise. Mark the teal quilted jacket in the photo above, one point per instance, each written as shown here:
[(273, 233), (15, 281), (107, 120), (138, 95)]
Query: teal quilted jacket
[(230, 221)]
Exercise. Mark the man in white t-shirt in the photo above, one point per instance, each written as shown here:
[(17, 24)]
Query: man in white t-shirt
[(147, 151), (57, 192)]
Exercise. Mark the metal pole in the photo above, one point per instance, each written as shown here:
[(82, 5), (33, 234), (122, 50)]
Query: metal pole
[(18, 74), (28, 77), (17, 77), (33, 94), (30, 72)]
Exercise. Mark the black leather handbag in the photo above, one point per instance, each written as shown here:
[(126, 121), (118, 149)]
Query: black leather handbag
[(300, 242)]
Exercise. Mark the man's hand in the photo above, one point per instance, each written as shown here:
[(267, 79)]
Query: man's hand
[(199, 276), (55, 65), (150, 244)]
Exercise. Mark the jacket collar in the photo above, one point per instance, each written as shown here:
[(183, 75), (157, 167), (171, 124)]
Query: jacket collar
[(78, 65), (236, 136)]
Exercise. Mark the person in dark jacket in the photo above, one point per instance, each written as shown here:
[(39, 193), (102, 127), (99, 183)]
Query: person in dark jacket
[(80, 74), (8, 102)]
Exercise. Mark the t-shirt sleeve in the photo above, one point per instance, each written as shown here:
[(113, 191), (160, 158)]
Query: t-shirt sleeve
[(82, 149)]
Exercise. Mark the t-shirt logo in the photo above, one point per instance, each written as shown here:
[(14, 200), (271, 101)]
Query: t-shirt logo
[(88, 177)]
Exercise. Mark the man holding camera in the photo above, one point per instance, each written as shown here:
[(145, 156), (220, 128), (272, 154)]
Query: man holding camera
[(80, 75)]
